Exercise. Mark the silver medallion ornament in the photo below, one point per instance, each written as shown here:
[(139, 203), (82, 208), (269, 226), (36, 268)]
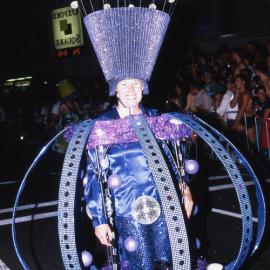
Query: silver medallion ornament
[(146, 210)]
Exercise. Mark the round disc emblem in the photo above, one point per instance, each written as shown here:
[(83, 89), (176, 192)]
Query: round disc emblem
[(146, 210)]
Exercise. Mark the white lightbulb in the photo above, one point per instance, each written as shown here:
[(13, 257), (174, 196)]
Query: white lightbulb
[(85, 181), (87, 258), (130, 244), (99, 132), (107, 6), (176, 121), (214, 266), (74, 4), (153, 6)]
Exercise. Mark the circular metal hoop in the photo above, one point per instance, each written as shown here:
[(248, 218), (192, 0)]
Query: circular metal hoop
[(238, 182)]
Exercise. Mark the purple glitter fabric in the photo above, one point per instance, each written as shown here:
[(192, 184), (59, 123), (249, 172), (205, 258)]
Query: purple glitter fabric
[(119, 131), (69, 132), (122, 41), (201, 264)]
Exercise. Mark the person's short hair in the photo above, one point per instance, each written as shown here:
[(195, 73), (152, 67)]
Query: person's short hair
[(209, 71), (196, 85), (236, 51), (246, 55), (261, 67), (258, 88), (244, 78), (247, 73)]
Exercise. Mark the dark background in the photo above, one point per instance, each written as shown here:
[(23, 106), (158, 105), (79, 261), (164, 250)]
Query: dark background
[(27, 44)]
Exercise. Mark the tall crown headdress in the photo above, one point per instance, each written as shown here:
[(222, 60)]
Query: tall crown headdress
[(127, 38)]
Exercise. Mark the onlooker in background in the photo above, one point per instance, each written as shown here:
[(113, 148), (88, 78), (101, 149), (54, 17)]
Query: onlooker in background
[(236, 55), (247, 73), (216, 101), (245, 117), (266, 112), (224, 109), (265, 138), (268, 46), (68, 113), (203, 101), (261, 101), (87, 106), (250, 47), (264, 79), (268, 65), (209, 76), (195, 88), (248, 61), (173, 102), (53, 118)]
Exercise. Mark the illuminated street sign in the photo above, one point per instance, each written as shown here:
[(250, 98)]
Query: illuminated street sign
[(67, 28)]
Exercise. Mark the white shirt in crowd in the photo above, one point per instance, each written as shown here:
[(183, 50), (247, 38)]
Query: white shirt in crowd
[(224, 109), (55, 108)]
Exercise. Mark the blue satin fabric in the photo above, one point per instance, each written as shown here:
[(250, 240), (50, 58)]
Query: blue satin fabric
[(127, 161)]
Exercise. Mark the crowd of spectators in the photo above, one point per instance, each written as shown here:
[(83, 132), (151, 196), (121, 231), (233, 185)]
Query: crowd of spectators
[(229, 88), (31, 119)]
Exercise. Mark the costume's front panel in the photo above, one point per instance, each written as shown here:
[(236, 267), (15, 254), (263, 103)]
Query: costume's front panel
[(127, 162)]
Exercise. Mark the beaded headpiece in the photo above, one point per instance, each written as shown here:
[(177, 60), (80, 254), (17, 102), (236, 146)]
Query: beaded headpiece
[(127, 38)]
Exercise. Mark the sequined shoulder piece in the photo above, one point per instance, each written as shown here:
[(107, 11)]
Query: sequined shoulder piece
[(119, 131)]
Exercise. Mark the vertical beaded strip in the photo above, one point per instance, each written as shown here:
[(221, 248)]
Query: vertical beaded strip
[(170, 202), (67, 196)]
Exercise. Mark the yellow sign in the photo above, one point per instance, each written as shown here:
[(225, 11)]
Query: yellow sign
[(67, 28)]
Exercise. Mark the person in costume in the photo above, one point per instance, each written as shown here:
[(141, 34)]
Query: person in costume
[(129, 166), (127, 52), (129, 160)]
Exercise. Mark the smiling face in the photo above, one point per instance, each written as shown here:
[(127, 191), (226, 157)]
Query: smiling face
[(129, 92), (261, 95), (238, 83)]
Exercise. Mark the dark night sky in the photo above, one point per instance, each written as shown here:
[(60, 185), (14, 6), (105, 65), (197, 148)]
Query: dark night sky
[(16, 28), (26, 30), (26, 34), (27, 45)]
